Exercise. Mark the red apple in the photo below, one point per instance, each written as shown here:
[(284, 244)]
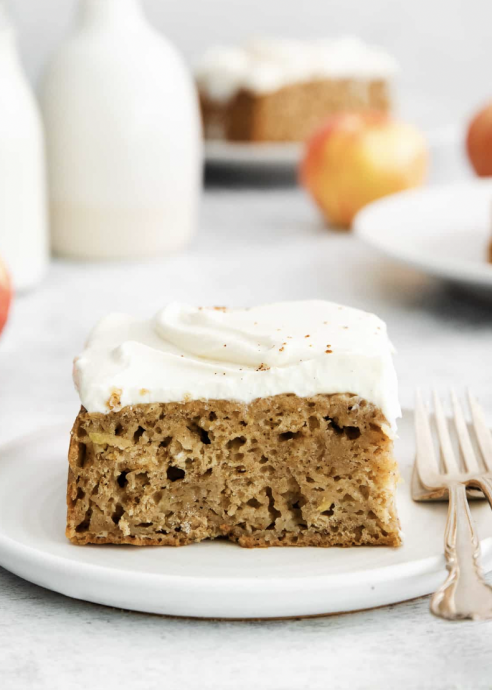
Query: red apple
[(357, 158), (5, 294), (479, 141)]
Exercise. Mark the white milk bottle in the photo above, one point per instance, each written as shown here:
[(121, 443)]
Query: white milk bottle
[(23, 231), (123, 138)]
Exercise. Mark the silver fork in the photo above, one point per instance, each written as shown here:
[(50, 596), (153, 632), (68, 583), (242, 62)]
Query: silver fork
[(464, 594)]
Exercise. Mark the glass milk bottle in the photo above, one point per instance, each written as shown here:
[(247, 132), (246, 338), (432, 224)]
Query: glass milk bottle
[(124, 138), (23, 231)]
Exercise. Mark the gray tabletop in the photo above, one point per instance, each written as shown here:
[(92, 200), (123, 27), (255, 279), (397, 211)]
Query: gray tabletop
[(258, 242)]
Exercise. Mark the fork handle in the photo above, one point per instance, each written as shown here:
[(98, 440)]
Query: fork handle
[(464, 594)]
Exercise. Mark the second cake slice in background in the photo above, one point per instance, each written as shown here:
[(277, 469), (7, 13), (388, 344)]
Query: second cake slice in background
[(274, 90)]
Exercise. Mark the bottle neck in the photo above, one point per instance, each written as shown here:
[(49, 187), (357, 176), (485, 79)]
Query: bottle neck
[(110, 14)]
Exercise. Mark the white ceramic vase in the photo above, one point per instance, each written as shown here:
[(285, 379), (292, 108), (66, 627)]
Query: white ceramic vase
[(23, 218), (124, 138)]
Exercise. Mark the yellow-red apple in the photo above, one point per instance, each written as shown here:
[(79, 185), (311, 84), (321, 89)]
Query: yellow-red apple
[(479, 142), (5, 294), (357, 158)]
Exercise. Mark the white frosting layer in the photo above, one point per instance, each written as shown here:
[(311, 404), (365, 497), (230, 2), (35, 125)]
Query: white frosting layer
[(265, 65), (187, 353)]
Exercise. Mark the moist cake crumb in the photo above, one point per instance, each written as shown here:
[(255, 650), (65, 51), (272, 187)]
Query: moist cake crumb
[(280, 471)]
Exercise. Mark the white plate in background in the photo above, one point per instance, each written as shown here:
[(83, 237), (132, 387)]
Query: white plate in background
[(229, 153), (213, 579), (443, 230), (288, 154)]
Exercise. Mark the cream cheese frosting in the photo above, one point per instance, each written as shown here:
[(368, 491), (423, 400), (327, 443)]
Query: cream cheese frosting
[(264, 65), (191, 353)]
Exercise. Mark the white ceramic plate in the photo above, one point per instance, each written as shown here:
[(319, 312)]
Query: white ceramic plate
[(212, 579), (442, 230), (443, 143), (247, 154)]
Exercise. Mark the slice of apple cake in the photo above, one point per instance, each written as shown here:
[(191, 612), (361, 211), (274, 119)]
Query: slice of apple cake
[(278, 90), (270, 426)]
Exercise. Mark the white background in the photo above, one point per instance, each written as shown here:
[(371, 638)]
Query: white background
[(444, 47)]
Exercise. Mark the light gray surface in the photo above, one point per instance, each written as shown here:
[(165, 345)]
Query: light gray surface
[(52, 643), (254, 245), (443, 46)]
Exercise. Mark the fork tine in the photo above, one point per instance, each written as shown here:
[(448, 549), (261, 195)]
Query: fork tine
[(482, 432), (427, 465), (444, 439), (471, 463)]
